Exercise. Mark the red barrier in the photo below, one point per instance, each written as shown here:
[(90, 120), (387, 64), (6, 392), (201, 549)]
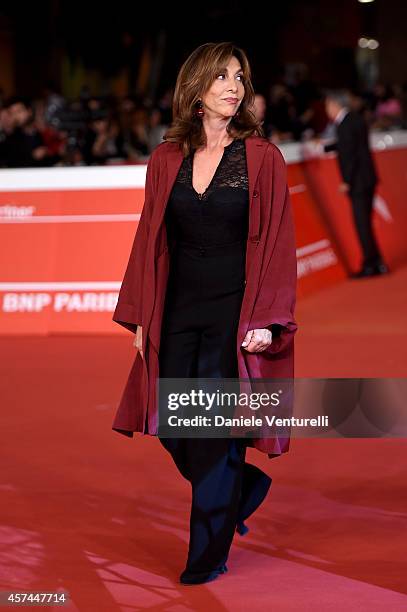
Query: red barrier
[(390, 210), (66, 235), (317, 261)]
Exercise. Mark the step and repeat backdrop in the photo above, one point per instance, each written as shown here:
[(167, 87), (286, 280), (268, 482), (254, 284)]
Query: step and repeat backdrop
[(66, 234)]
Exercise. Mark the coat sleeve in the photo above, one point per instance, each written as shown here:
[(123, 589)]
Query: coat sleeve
[(275, 303), (128, 311)]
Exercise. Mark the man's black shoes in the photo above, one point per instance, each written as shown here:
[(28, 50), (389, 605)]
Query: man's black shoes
[(367, 271)]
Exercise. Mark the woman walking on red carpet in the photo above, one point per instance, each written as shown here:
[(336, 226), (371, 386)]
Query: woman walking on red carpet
[(210, 287)]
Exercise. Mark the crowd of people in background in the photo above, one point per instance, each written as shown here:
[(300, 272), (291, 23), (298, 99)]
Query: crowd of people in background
[(54, 131)]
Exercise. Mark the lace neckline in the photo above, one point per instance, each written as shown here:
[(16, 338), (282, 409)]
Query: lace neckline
[(225, 150)]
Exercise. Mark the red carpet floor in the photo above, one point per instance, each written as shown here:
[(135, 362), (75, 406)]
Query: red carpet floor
[(85, 510)]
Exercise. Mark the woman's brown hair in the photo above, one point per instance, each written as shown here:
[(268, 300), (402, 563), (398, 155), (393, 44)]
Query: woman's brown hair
[(194, 79)]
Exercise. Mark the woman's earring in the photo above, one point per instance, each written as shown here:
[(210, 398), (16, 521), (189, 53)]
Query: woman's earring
[(199, 111)]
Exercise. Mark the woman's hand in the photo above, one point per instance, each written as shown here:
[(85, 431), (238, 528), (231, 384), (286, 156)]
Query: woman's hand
[(138, 340), (257, 340)]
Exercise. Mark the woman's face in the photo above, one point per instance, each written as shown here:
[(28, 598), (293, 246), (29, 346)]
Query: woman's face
[(226, 93)]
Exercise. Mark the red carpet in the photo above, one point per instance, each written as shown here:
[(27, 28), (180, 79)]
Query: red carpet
[(88, 511)]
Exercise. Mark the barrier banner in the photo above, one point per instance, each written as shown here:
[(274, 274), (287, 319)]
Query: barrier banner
[(66, 235), (389, 208)]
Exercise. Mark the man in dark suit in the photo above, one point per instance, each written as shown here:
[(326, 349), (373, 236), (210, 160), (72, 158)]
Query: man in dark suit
[(358, 175)]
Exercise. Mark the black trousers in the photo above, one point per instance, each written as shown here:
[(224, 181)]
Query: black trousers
[(215, 468), (198, 339), (362, 208)]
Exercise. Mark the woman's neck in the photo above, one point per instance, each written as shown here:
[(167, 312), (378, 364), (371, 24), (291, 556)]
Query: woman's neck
[(217, 136)]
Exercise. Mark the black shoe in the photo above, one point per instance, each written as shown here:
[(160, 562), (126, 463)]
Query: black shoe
[(374, 270), (381, 268), (202, 577), (365, 272)]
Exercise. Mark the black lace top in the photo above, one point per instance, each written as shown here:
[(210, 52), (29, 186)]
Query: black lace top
[(220, 215)]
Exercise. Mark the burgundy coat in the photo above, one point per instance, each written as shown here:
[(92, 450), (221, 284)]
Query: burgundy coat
[(269, 297)]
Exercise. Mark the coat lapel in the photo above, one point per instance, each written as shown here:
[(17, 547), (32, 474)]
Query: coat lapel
[(174, 160), (255, 151)]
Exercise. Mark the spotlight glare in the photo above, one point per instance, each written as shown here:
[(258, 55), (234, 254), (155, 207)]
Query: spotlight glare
[(372, 43)]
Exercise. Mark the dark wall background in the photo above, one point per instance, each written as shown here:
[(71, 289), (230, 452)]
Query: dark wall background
[(78, 42)]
